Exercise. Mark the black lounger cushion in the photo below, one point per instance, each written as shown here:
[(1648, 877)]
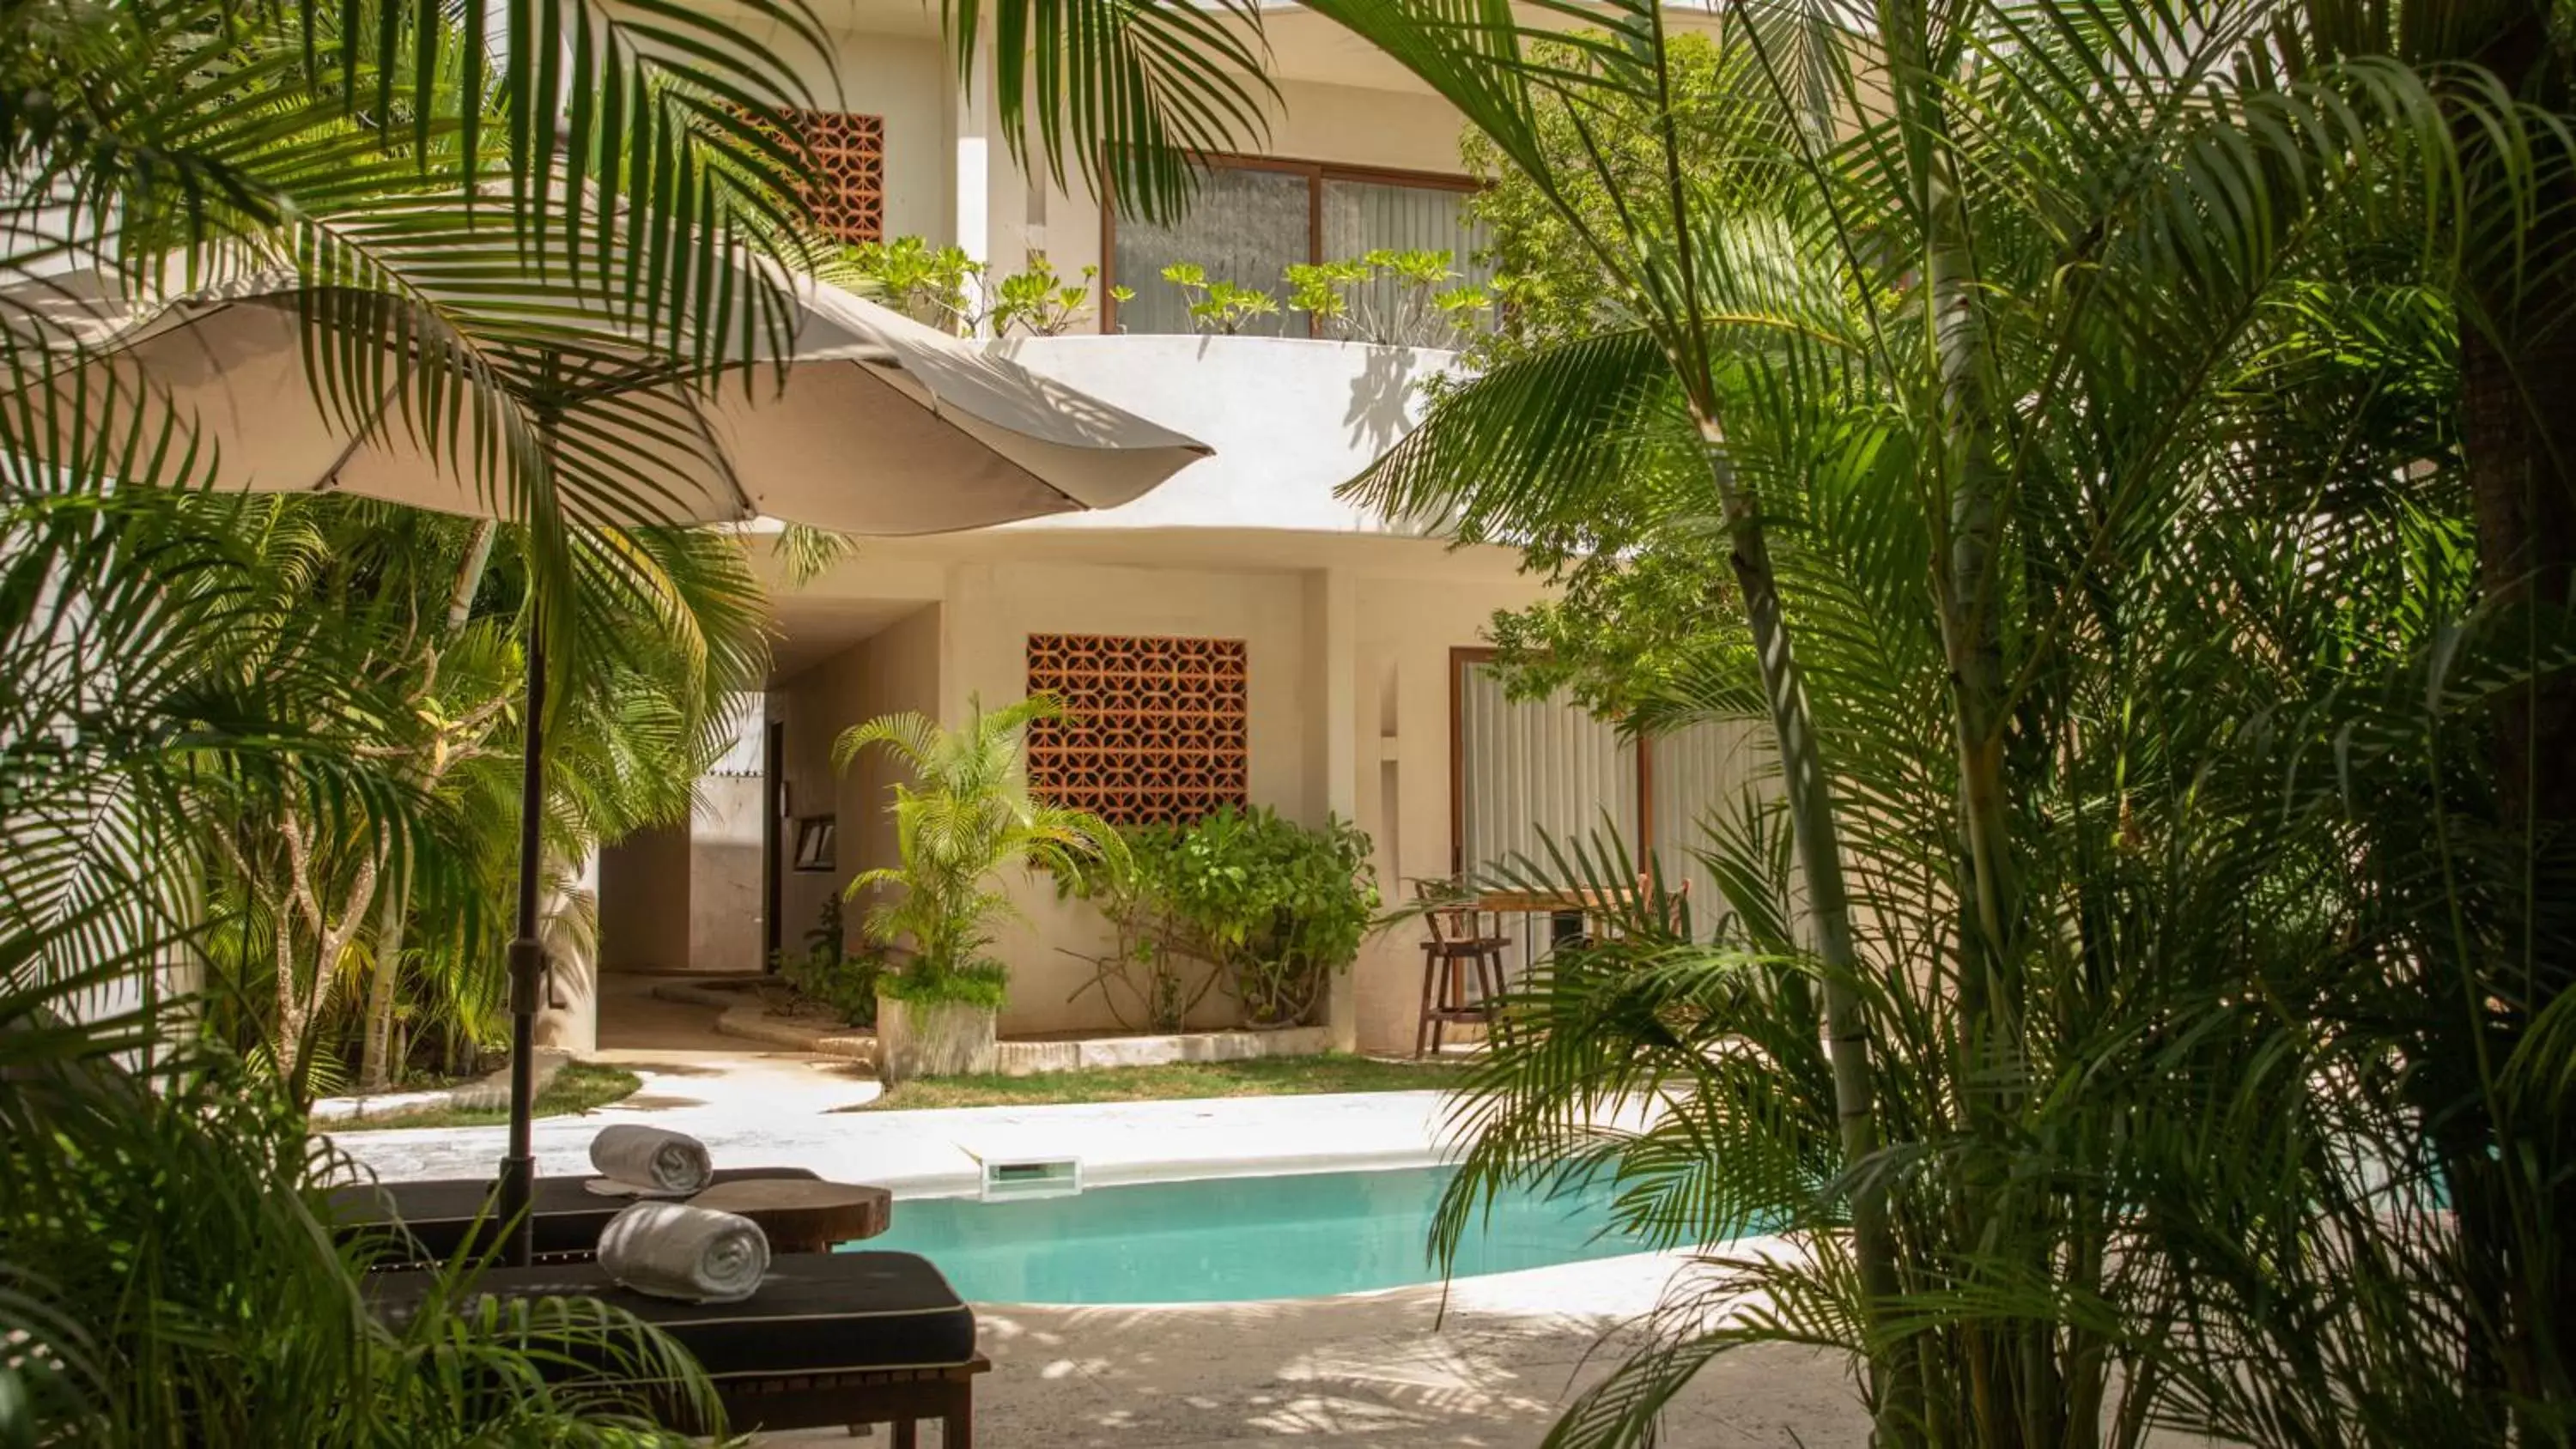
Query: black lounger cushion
[(814, 1313)]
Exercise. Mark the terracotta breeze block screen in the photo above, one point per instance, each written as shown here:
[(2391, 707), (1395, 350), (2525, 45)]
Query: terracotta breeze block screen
[(846, 188), (1155, 729)]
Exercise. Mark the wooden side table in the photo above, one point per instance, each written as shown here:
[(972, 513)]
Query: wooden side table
[(803, 1215)]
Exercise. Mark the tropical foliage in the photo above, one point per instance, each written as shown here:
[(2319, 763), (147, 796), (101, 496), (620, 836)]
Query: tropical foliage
[(2148, 939), (261, 737), (242, 743), (321, 955), (1245, 900), (964, 817), (943, 287), (826, 970), (172, 1279)]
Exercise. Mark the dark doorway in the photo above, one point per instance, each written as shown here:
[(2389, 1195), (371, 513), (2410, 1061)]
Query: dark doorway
[(773, 776)]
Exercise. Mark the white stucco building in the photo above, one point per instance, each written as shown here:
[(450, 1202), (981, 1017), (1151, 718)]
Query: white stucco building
[(1355, 641)]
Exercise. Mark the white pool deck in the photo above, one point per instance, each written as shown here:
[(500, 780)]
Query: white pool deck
[(940, 1153), (1490, 1367)]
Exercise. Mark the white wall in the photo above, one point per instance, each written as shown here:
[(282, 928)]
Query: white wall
[(1291, 419), (725, 875), (993, 608)]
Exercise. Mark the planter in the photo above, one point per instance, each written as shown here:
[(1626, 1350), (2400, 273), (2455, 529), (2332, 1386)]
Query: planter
[(933, 1039)]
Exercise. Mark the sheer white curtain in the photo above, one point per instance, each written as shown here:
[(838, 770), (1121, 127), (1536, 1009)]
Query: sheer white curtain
[(1535, 770), (1365, 216), (1244, 226)]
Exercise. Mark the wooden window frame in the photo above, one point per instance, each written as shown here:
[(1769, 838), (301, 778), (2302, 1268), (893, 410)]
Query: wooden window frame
[(1461, 657), (1316, 174)]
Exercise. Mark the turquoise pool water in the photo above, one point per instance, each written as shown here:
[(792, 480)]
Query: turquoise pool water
[(1233, 1238)]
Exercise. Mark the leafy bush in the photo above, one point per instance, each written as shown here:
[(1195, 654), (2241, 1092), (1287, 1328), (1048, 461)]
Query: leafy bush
[(1275, 907), (169, 1274), (1218, 306), (945, 288), (1394, 298), (982, 982), (828, 971)]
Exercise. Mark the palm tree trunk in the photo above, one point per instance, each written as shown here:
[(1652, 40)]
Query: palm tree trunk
[(1809, 789), (2019, 1387), (2518, 437), (2518, 445), (395, 910)]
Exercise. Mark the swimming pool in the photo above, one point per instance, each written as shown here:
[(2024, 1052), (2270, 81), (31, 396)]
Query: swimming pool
[(1227, 1239)]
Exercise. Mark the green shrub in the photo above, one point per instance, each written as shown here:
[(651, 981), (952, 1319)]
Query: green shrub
[(170, 1274), (985, 983), (1274, 906), (828, 971)]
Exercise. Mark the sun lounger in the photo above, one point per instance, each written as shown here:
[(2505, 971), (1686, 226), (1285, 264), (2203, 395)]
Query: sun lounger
[(830, 1339), (421, 1223)]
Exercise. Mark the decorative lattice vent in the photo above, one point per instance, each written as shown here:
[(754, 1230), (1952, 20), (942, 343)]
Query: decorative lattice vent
[(1156, 728), (846, 184)]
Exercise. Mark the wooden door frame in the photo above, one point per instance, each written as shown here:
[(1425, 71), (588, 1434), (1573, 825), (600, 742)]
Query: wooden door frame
[(773, 880)]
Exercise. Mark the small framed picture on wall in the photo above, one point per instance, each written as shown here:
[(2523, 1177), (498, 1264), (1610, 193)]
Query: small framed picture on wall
[(814, 842)]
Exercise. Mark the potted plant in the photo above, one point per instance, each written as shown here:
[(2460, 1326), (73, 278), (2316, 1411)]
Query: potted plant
[(965, 816)]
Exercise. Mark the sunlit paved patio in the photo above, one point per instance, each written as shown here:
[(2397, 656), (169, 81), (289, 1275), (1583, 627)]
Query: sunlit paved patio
[(1379, 1369)]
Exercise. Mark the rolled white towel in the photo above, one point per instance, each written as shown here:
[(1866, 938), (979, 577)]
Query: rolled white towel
[(696, 1255), (651, 1157)]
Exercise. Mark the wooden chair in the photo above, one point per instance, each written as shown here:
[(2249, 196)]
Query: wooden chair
[(1462, 963)]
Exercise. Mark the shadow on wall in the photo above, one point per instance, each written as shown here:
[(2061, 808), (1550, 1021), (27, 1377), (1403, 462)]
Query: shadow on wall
[(1382, 407)]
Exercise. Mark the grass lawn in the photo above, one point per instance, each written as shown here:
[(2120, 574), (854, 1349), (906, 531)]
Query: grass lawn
[(579, 1087), (1261, 1077)]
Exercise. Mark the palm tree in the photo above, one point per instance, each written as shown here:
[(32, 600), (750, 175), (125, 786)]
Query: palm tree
[(2499, 73), (2060, 793), (185, 139), (964, 817), (419, 606)]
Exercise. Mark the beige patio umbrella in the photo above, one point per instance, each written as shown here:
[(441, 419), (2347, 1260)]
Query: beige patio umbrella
[(877, 424), (862, 422)]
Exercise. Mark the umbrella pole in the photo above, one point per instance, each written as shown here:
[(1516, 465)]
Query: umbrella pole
[(527, 972)]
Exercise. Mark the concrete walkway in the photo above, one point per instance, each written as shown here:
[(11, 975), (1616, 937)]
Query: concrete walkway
[(781, 1112)]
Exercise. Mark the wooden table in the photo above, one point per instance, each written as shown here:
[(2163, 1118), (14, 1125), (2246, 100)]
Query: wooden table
[(1566, 908), (1586, 901), (803, 1215)]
